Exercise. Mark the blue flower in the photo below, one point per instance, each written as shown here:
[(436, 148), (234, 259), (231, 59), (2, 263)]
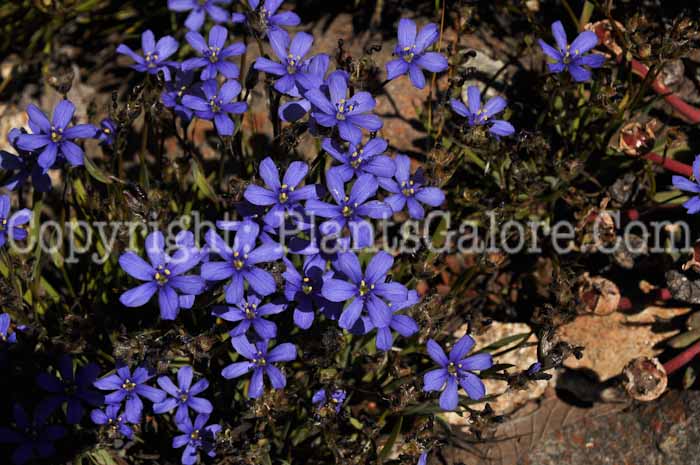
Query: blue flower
[(402, 324), (129, 387), (111, 418), (312, 77), (407, 189), (361, 159), (199, 11), (217, 104), (155, 55), (284, 197), (349, 114), (164, 275), (197, 437), (679, 182), (24, 164), (480, 116), (5, 335), (292, 64), (183, 395), (572, 57), (250, 313), (55, 136), (176, 89), (213, 54), (423, 459), (106, 132), (364, 292), (268, 17), (240, 262), (305, 290), (455, 370), (350, 210), (261, 361), (34, 439), (412, 55), (10, 226), (73, 389), (320, 399)]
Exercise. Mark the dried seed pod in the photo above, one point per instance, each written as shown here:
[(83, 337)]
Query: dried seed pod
[(637, 138), (645, 379), (599, 295)]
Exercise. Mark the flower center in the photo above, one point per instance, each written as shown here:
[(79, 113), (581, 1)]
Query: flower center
[(184, 395), (215, 104), (364, 288), (356, 158), (307, 287), (293, 63), (407, 188), (343, 107), (3, 224), (56, 134), (152, 60), (194, 435), (408, 53), (162, 274), (284, 192), (348, 209), (250, 310), (128, 385), (213, 54), (259, 360), (238, 260)]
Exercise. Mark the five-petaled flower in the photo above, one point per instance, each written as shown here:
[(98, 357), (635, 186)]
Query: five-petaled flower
[(113, 420), (34, 438), (481, 116), (364, 292), (11, 225), (267, 17), (199, 10), (183, 395), (284, 197), (155, 55), (217, 104), (261, 362), (360, 159), (176, 89), (411, 52), (55, 136), (106, 131), (305, 290), (349, 114), (407, 189), (335, 403), (455, 370), (572, 56), (164, 275), (684, 184), (24, 164), (292, 65), (130, 387), (213, 55), (249, 312), (240, 262), (73, 389), (198, 436)]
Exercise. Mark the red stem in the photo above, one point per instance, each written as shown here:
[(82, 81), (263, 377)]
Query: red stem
[(682, 359), (670, 164)]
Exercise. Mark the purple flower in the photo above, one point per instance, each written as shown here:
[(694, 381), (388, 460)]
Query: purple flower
[(349, 114), (361, 159), (268, 17), (183, 395), (217, 104), (55, 136), (261, 362), (350, 210), (129, 387), (111, 418), (250, 313), (199, 11), (305, 290), (480, 116), (34, 439), (10, 225), (24, 164), (407, 189), (176, 89), (571, 57), (75, 390), (284, 197), (320, 399), (412, 55), (455, 370), (197, 437), (402, 324), (155, 55), (106, 132), (164, 275), (312, 77), (679, 182), (292, 65), (364, 292), (213, 55), (5, 335), (240, 262), (423, 459)]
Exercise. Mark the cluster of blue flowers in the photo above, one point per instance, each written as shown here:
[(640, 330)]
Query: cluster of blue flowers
[(336, 285)]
